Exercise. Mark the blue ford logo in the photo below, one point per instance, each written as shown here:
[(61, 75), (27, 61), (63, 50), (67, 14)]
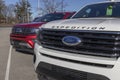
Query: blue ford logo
[(71, 40)]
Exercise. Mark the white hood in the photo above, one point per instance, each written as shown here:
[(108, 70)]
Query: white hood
[(106, 24)]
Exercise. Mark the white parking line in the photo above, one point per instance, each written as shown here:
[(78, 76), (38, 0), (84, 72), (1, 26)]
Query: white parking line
[(8, 64)]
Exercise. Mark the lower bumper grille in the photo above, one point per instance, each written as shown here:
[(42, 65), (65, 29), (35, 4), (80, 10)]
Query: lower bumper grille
[(20, 44), (61, 73)]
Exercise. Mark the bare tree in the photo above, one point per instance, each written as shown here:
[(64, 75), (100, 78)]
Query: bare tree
[(2, 7), (50, 6), (4, 13), (23, 10), (8, 13)]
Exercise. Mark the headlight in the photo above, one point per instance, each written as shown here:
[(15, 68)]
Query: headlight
[(17, 30), (39, 36), (32, 30)]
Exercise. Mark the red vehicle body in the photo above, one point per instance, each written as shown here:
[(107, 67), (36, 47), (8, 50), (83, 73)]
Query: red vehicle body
[(23, 35)]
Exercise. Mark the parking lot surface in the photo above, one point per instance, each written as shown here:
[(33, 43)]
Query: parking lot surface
[(14, 65)]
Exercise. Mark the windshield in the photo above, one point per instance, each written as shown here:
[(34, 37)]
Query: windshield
[(36, 19), (100, 10), (50, 17)]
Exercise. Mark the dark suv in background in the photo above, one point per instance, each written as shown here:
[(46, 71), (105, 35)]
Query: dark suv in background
[(23, 35)]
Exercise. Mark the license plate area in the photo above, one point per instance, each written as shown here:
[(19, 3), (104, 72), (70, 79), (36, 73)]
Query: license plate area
[(22, 44)]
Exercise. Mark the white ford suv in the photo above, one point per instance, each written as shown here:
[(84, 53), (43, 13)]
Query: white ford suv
[(85, 47)]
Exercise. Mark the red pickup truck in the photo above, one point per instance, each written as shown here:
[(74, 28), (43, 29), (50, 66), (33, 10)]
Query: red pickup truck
[(23, 35)]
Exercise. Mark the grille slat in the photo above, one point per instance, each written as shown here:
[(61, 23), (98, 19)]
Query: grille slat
[(82, 36), (95, 43), (81, 52), (59, 44), (101, 42)]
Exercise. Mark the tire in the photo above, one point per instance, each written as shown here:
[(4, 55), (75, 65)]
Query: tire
[(18, 50)]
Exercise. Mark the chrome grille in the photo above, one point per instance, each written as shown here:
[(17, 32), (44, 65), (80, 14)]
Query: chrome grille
[(96, 43)]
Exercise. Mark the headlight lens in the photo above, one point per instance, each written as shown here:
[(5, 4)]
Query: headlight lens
[(17, 30), (39, 36), (33, 30)]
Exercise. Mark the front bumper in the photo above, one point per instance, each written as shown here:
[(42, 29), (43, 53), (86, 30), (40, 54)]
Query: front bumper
[(21, 46), (22, 42), (108, 73)]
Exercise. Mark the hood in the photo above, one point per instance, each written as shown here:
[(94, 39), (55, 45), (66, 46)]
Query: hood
[(106, 24), (32, 24)]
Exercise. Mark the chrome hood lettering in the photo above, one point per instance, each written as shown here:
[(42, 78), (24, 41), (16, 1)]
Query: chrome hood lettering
[(106, 24), (78, 27)]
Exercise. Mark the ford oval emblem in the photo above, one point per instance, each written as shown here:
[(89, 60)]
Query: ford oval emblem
[(71, 40)]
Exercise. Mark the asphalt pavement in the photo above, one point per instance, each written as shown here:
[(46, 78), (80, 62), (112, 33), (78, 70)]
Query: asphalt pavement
[(14, 65)]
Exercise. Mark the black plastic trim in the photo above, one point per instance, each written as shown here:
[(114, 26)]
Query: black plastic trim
[(78, 62), (62, 73)]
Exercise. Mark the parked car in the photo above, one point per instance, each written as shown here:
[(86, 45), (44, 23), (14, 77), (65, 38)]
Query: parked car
[(23, 35)]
